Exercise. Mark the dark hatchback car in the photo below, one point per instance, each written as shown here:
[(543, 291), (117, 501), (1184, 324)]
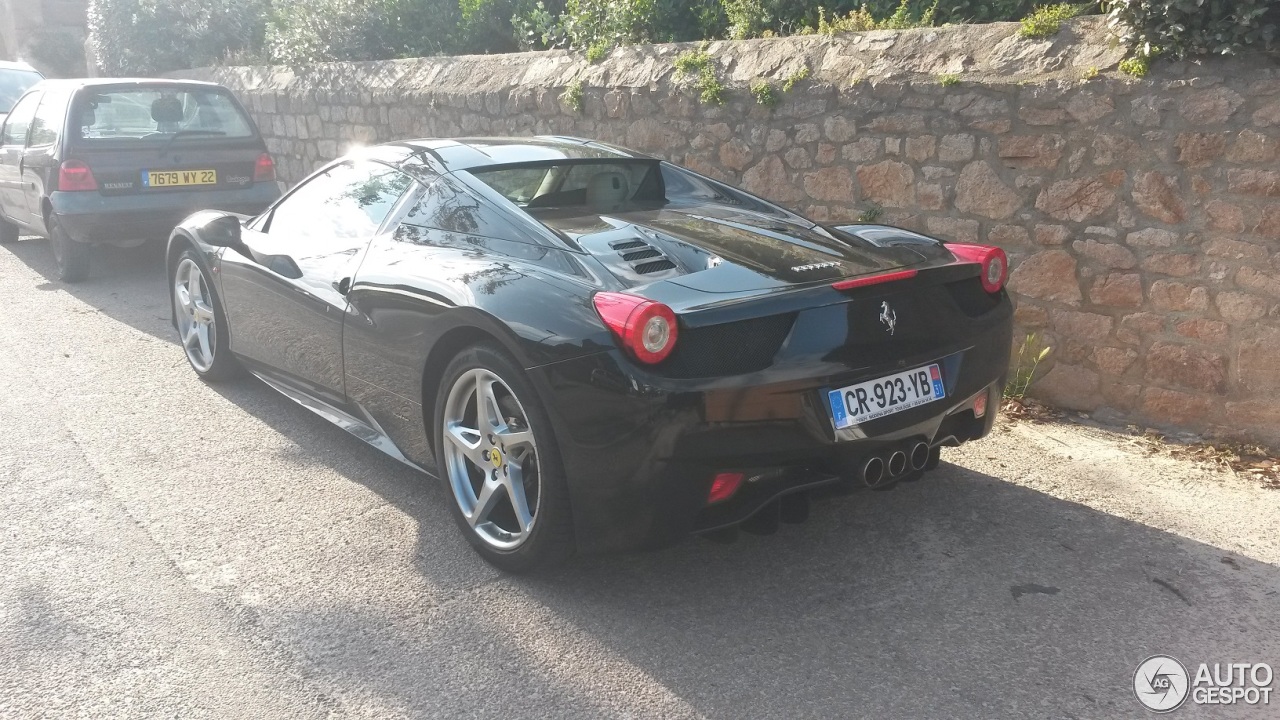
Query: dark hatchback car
[(119, 162), (593, 349)]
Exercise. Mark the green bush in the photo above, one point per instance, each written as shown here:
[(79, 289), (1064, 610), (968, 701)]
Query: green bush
[(58, 52), (1195, 27), (1046, 20), (146, 37), (764, 93), (301, 32)]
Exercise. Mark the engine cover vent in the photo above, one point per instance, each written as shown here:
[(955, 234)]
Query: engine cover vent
[(643, 258)]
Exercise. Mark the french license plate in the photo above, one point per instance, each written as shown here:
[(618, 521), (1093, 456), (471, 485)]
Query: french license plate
[(178, 178), (856, 404)]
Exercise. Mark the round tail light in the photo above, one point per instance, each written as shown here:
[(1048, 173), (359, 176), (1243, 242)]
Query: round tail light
[(995, 264), (644, 328)]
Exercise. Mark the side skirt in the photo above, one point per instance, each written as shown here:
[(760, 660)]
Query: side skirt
[(366, 429)]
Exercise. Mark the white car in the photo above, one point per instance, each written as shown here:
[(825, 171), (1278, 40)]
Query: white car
[(15, 79)]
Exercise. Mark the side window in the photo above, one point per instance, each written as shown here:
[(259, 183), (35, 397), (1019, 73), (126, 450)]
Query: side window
[(18, 123), (349, 200), (443, 205), (47, 125)]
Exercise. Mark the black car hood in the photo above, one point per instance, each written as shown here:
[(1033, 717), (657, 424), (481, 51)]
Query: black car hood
[(723, 250)]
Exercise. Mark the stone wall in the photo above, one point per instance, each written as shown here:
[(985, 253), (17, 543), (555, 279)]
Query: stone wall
[(1143, 217)]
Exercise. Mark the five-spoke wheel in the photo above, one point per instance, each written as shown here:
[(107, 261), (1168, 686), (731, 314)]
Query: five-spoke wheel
[(196, 327), (201, 330), (492, 458), (498, 459)]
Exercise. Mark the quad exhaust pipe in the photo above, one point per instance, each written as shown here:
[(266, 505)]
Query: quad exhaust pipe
[(877, 471), (919, 456)]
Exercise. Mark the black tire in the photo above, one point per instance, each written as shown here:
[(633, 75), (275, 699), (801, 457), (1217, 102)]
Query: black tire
[(224, 365), (550, 537), (9, 232), (72, 257)]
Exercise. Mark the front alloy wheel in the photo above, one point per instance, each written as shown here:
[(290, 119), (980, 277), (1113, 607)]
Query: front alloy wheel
[(201, 329), (498, 457)]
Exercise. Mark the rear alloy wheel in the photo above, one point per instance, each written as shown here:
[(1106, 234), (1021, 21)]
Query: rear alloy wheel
[(499, 462), (9, 232), (202, 329), (72, 257)]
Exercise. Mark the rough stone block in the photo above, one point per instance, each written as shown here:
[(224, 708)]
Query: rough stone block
[(1048, 275), (1187, 366)]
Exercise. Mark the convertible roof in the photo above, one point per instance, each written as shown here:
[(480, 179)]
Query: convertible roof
[(472, 153)]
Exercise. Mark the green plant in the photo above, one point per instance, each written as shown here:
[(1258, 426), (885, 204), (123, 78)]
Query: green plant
[(596, 53), (538, 28), (301, 32), (871, 214), (856, 21), (1030, 354), (765, 93), (148, 37), (1136, 66), (948, 79), (699, 64), (1046, 20), (791, 80), (1195, 27), (573, 95), (1090, 73), (904, 18)]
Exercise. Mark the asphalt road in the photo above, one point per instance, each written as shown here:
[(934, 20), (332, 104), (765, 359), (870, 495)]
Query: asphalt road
[(170, 548)]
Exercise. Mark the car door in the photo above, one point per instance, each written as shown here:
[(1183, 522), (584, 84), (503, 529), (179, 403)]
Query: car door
[(13, 143), (40, 159), (286, 308)]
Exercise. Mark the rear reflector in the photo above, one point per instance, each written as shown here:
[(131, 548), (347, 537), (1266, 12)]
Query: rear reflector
[(858, 282), (980, 405), (75, 176), (723, 486), (264, 170)]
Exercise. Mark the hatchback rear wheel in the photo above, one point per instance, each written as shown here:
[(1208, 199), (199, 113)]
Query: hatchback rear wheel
[(498, 459), (72, 257)]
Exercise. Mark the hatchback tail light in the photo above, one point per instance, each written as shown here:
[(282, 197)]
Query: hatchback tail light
[(264, 170), (644, 328), (75, 176), (995, 264)]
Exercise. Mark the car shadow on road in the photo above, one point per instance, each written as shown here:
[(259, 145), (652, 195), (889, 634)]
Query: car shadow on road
[(959, 595), (126, 284)]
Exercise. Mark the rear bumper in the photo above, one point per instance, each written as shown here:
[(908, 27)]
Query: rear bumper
[(640, 451), (91, 217)]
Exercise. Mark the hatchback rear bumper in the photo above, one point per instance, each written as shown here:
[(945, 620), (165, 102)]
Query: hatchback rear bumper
[(91, 217)]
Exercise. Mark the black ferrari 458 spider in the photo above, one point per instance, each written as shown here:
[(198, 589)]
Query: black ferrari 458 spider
[(593, 349)]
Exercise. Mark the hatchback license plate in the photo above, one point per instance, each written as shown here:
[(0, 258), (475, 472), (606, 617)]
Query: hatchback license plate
[(873, 399), (178, 178)]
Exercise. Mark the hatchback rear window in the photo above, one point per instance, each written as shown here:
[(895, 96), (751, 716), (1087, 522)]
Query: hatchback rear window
[(158, 115)]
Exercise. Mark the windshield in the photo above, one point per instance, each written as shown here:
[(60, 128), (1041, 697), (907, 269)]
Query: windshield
[(13, 83), (159, 115)]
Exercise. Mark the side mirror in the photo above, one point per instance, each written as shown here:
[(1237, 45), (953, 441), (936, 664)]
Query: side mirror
[(222, 231)]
